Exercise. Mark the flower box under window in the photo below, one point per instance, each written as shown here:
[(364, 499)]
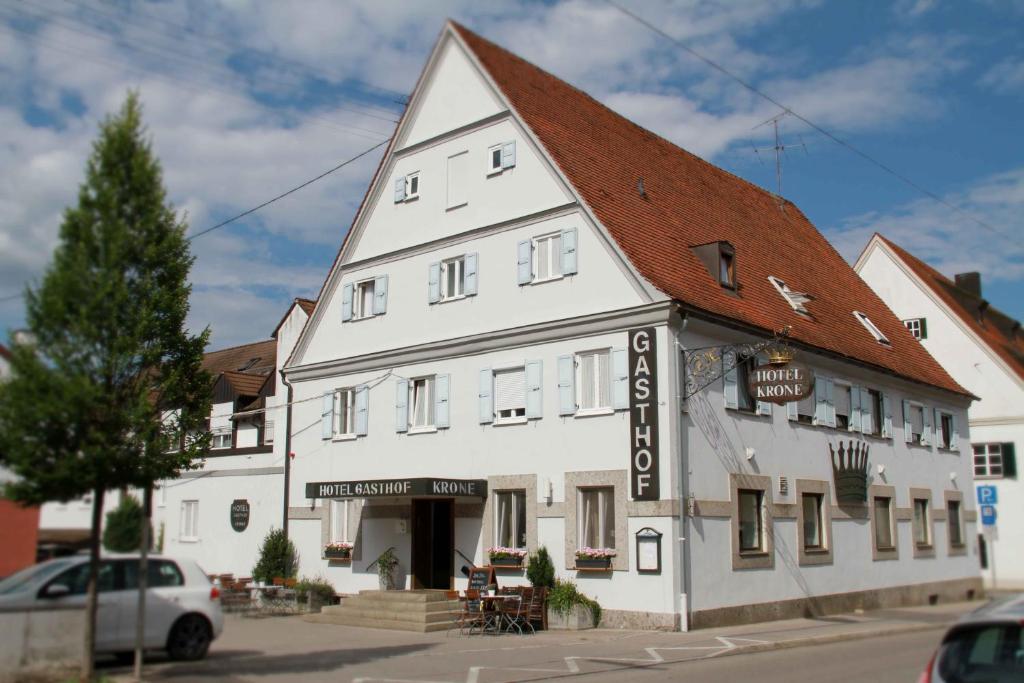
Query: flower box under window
[(506, 557), (599, 559), (338, 551)]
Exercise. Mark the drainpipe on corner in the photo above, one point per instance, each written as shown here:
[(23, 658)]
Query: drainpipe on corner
[(684, 542), (287, 454)]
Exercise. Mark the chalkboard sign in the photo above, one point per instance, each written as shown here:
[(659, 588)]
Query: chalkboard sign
[(482, 577)]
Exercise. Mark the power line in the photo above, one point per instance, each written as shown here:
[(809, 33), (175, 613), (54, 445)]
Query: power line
[(839, 141), (285, 194)]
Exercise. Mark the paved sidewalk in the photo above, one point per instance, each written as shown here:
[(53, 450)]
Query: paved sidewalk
[(289, 649)]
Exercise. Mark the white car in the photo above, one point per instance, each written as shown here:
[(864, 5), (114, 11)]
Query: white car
[(985, 646), (183, 611)]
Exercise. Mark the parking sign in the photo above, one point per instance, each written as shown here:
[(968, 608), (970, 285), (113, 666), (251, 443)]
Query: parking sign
[(988, 515), (987, 495)]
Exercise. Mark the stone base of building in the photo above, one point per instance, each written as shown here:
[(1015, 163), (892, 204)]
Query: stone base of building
[(820, 605), (639, 621)]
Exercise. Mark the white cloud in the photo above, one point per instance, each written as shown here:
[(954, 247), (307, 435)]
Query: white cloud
[(1006, 77)]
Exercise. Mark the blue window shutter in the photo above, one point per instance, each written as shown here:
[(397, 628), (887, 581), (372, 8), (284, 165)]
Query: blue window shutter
[(470, 268), (508, 154), (926, 432), (954, 439), (327, 416), (886, 417), (534, 389), (380, 295), (402, 405), (855, 411), (731, 389), (362, 409), (820, 400), (400, 189), (867, 424), (346, 303), (434, 283), (524, 262), (762, 407), (792, 411), (442, 409), (908, 430), (831, 403), (566, 385), (486, 396), (569, 252), (620, 379)]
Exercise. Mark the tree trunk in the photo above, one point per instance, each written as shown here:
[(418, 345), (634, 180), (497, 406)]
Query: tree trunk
[(88, 653), (140, 618)]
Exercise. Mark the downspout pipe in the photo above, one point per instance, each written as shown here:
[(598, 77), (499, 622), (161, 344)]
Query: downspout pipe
[(287, 454), (683, 483)]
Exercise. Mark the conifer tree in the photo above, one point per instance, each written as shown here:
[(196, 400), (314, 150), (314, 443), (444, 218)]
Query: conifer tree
[(110, 392), (123, 531)]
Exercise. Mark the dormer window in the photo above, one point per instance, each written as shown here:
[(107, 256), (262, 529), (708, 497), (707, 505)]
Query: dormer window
[(720, 260), (792, 297), (872, 328)]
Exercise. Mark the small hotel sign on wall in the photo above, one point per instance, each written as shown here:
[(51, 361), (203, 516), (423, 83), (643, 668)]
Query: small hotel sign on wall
[(643, 414), (780, 383)]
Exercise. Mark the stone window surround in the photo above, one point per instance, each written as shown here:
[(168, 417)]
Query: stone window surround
[(815, 556), (513, 482), (879, 491), (760, 559), (926, 550), (617, 479), (961, 548)]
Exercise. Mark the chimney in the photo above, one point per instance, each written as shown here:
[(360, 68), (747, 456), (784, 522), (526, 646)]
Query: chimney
[(969, 282)]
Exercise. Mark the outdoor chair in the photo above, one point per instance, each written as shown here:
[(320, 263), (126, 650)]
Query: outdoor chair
[(472, 615), (538, 613), (515, 611)]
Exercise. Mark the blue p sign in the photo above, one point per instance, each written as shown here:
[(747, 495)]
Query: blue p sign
[(987, 495)]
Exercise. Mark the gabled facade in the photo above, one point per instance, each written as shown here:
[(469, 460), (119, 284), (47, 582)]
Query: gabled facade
[(536, 332), (983, 349)]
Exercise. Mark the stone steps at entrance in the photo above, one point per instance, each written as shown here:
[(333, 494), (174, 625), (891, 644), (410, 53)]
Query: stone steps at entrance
[(421, 611)]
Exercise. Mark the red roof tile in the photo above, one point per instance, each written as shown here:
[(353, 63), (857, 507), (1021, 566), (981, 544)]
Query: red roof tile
[(997, 330), (258, 358), (306, 305), (691, 202)]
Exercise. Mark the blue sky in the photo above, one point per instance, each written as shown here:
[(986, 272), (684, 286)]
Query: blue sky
[(247, 99)]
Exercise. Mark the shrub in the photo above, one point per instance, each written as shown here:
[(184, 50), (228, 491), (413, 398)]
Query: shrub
[(318, 586), (565, 595), (541, 571), (123, 532), (278, 558)]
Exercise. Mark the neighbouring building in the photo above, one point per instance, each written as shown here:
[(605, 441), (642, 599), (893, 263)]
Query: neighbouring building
[(983, 349), (18, 524), (545, 328)]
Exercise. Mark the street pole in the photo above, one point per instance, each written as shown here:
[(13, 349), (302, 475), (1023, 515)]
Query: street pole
[(140, 617)]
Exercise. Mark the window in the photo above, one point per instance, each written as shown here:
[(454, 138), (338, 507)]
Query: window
[(871, 412), (597, 518), (945, 430), (77, 578), (362, 302), (751, 520), (340, 510), (421, 402), (547, 257), (922, 524), (727, 267), (915, 419), (988, 460), (842, 396), (510, 519), (344, 412), (458, 180), (510, 395), (805, 409), (917, 327), (494, 160), (872, 328), (812, 518), (793, 298), (189, 521), (500, 157), (883, 523), (221, 438), (593, 381), (453, 278), (412, 186), (982, 652), (956, 529), (159, 574)]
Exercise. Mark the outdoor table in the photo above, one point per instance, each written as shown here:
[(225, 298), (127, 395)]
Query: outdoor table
[(274, 599), (493, 615)]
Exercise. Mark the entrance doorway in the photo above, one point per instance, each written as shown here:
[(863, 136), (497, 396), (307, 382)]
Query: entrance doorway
[(433, 543)]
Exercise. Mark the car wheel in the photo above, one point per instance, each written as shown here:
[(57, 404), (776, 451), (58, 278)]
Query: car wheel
[(125, 658), (190, 638)]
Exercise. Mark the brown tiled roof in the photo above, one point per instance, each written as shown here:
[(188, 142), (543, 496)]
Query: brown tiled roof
[(999, 331), (690, 202), (306, 305), (4, 353), (236, 358), (245, 384)]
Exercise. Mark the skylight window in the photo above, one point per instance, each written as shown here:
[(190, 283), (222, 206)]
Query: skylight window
[(792, 297), (872, 328)]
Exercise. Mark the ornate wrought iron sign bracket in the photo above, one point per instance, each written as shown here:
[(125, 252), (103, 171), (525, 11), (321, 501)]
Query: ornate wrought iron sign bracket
[(707, 364)]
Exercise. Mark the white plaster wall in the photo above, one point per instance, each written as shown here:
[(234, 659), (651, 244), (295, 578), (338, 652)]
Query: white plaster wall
[(74, 514), (1006, 538), (716, 445)]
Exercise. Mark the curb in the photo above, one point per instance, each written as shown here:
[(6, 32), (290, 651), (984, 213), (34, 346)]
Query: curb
[(824, 640)]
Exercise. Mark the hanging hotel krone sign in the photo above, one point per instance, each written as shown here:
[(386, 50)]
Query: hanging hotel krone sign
[(780, 380)]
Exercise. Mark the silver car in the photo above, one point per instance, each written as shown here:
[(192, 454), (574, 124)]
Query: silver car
[(183, 611), (985, 646)]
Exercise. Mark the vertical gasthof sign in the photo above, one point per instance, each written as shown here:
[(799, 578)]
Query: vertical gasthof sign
[(643, 414)]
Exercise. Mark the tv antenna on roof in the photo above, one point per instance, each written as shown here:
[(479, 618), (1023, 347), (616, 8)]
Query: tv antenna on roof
[(779, 149)]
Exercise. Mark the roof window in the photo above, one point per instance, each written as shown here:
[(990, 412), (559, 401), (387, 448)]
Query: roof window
[(792, 297), (720, 260), (872, 328)]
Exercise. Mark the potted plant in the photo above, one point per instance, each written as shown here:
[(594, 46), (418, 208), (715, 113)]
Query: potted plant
[(506, 557), (386, 565), (594, 558), (314, 593), (570, 610), (338, 551)]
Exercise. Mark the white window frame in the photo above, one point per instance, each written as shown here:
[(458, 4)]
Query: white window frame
[(430, 385), (459, 264), (890, 520), (922, 525), (348, 395), (189, 533), (761, 496), (409, 178), (602, 522), (940, 439), (877, 419), (358, 298), (842, 385), (518, 497), (914, 325), (341, 511), (499, 419), (554, 257), (607, 382), (915, 439), (987, 464), (220, 433), (819, 516), (795, 299), (491, 168), (872, 328)]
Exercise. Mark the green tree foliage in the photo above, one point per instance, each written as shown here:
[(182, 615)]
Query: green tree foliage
[(541, 571), (123, 530), (112, 382), (278, 558)]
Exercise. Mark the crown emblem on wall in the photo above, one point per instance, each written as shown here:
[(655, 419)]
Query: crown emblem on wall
[(850, 469)]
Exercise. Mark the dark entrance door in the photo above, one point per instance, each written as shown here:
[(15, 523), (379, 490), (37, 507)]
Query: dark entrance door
[(433, 543)]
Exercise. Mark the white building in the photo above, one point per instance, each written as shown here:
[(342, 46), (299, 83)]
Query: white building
[(983, 349), (474, 374)]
